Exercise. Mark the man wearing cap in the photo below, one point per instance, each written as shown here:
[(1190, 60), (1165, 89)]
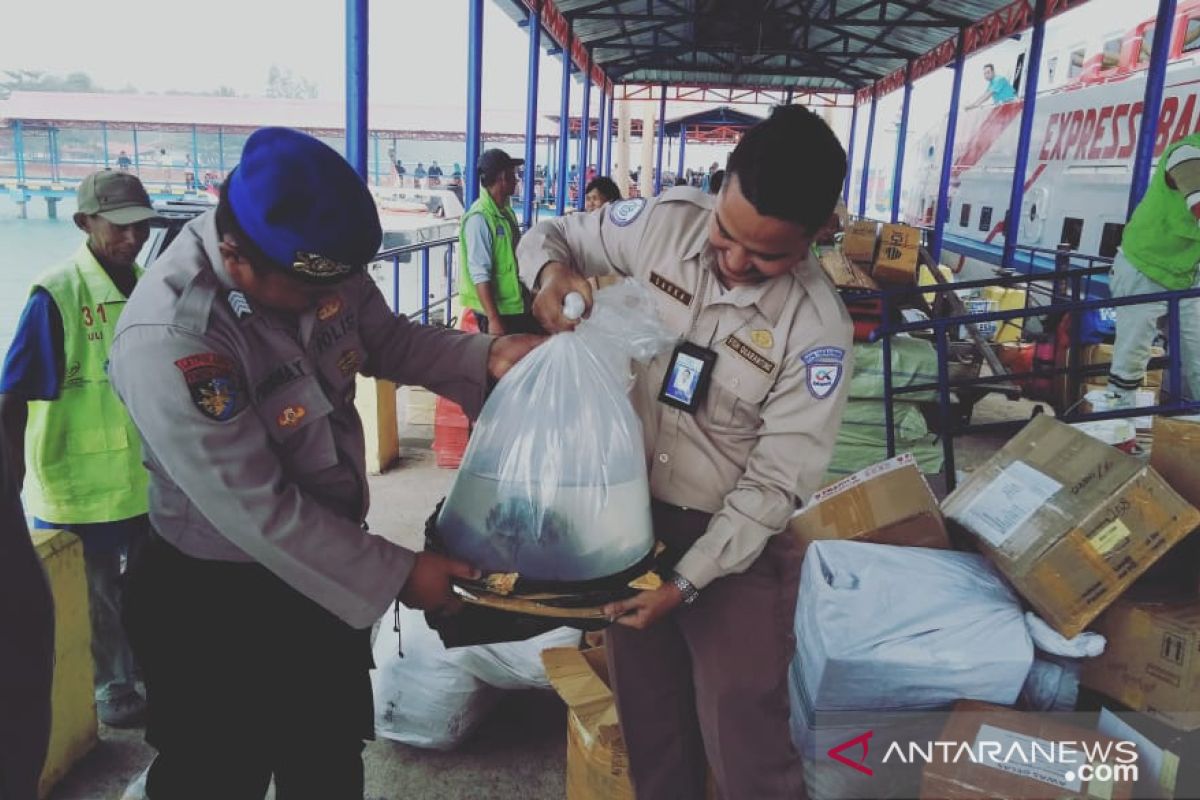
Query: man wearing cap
[(251, 606), (487, 247), (62, 419)]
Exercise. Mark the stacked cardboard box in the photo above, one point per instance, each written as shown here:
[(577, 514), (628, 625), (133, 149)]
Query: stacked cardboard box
[(888, 503), (1069, 520)]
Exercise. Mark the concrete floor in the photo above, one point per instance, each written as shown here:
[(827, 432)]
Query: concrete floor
[(519, 751)]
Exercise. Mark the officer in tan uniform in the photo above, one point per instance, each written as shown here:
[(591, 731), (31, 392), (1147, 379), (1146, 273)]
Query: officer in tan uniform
[(250, 609), (739, 426)]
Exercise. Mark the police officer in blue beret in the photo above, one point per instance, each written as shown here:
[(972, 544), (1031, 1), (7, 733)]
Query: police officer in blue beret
[(251, 607)]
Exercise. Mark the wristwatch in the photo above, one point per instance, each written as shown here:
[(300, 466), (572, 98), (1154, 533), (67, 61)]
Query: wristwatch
[(685, 587)]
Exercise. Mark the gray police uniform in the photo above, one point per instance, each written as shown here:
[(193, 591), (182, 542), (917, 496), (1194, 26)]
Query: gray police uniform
[(263, 575), (709, 682)]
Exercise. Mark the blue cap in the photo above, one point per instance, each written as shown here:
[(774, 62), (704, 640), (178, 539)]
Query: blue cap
[(304, 206)]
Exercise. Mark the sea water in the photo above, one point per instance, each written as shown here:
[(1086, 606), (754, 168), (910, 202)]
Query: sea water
[(581, 533)]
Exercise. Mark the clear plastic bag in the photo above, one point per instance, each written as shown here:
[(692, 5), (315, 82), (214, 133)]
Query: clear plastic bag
[(553, 484)]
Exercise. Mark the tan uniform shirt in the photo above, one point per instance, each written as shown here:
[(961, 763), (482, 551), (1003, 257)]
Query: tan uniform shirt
[(761, 441), (253, 444)]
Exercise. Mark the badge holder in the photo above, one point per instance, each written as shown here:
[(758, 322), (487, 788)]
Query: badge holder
[(688, 376)]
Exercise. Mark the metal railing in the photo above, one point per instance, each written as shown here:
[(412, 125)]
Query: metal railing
[(393, 256), (1074, 301)]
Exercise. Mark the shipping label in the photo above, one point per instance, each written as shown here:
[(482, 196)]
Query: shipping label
[(1008, 502)]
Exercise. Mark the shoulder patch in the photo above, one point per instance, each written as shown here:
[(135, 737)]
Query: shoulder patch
[(624, 212), (825, 367), (215, 385)]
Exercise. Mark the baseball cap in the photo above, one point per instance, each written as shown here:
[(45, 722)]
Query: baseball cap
[(304, 206), (117, 196), (495, 161)]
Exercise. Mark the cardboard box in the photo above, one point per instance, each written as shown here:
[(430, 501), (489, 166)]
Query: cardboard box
[(844, 273), (1152, 660), (597, 764), (1070, 521), (897, 259), (1175, 455), (1020, 773), (858, 242), (888, 503)]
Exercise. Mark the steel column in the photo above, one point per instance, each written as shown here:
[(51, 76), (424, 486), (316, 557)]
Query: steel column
[(585, 125), (137, 160), (902, 135), (221, 151), (608, 134), (787, 99), (531, 105), (356, 85), (1033, 68), (600, 111), (682, 148), (850, 155), (474, 100), (942, 210), (866, 173), (1152, 103), (104, 139), (195, 161), (19, 149), (662, 135), (53, 143), (564, 129), (375, 157)]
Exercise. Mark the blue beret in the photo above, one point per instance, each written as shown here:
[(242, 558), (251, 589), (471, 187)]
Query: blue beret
[(304, 205)]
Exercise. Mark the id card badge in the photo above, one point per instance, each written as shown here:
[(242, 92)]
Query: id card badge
[(687, 377)]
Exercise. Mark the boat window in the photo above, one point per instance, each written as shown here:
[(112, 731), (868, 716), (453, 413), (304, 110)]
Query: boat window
[(1075, 69), (1110, 238), (1051, 66), (1072, 232), (1110, 57), (1191, 39), (1147, 45), (964, 216), (985, 218)]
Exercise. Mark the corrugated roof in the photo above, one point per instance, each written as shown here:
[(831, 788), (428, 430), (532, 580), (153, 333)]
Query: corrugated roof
[(68, 109), (808, 45)]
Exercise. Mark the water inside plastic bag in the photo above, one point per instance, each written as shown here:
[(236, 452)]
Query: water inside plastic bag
[(553, 484)]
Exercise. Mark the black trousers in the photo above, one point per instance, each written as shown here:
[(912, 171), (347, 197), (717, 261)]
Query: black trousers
[(245, 679), (513, 323)]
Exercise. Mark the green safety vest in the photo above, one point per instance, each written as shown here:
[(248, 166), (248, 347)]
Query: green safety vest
[(83, 452), (506, 285), (1162, 238)]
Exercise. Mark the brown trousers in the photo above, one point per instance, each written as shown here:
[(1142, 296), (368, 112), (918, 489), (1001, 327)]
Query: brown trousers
[(709, 683)]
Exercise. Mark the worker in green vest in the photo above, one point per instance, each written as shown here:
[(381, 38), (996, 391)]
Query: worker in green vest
[(62, 420), (487, 251), (1160, 249)]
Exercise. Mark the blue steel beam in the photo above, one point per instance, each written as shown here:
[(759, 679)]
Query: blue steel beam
[(682, 149), (531, 104), (1033, 67), (850, 155), (585, 124), (901, 136), (195, 159), (474, 99), (356, 85), (564, 130), (866, 172), (662, 135), (942, 212), (1152, 103), (608, 134), (600, 138)]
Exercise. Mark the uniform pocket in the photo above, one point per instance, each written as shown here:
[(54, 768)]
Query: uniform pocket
[(734, 405), (297, 418)]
